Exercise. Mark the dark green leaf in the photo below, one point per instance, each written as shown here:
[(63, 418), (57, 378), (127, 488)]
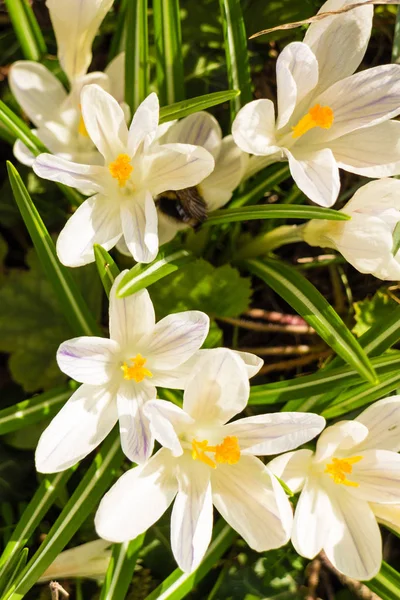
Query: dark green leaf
[(187, 107)]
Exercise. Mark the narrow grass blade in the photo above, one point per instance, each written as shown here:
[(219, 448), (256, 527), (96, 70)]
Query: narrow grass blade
[(386, 584), (169, 59), (141, 276), (84, 499), (106, 267), (76, 311), (120, 571), (236, 52), (312, 306), (33, 410), (117, 42), (17, 565), (273, 211), (178, 110), (136, 53), (263, 183), (178, 585), (22, 25), (35, 27), (44, 497)]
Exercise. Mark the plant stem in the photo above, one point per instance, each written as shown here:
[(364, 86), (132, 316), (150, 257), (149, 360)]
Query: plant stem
[(286, 234)]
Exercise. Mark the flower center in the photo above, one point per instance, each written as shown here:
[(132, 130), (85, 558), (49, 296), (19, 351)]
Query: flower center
[(82, 127), (317, 116), (340, 467), (137, 371), (228, 452), (121, 169)]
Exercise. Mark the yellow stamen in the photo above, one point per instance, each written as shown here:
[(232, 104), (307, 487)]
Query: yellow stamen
[(82, 128), (317, 116), (340, 467), (121, 169), (137, 370), (228, 452)]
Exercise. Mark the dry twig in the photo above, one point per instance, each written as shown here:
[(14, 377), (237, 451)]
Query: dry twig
[(359, 589), (288, 365), (56, 589), (299, 329)]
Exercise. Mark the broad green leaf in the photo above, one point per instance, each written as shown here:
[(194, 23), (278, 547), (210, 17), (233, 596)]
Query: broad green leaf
[(312, 306), (45, 496), (264, 182), (178, 110), (372, 310), (22, 23), (386, 584), (84, 499), (76, 311), (273, 211), (178, 585), (33, 410), (106, 267), (136, 53), (217, 291), (169, 59), (120, 571), (141, 276), (237, 61)]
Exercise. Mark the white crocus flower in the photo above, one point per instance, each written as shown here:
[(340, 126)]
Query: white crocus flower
[(88, 560), (135, 170), (327, 117), (354, 473), (204, 461), (367, 240), (119, 375)]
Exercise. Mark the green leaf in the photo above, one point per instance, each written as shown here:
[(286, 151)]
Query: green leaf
[(236, 53), (264, 182), (86, 496), (178, 585), (22, 23), (76, 311), (178, 110), (136, 53), (108, 270), (371, 310), (312, 306), (386, 584), (169, 59), (273, 211), (217, 291), (117, 41), (396, 239), (142, 276), (33, 410), (45, 496), (120, 571)]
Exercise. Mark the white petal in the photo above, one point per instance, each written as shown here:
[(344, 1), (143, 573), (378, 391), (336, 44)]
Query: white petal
[(138, 499), (174, 340), (39, 93), (252, 362), (177, 166), (167, 228), (136, 439), (371, 152), (105, 122), (87, 359), (192, 514), (383, 421), (144, 124), (75, 25), (378, 476), (79, 427), (89, 560), (297, 75), (312, 520), (275, 432), (354, 544), (388, 515), (167, 423), (339, 42), (131, 317), (293, 468), (84, 177), (96, 221), (254, 128), (198, 129), (375, 197), (361, 100), (23, 154), (253, 503), (139, 224), (115, 72), (218, 389), (341, 437), (229, 169), (316, 174)]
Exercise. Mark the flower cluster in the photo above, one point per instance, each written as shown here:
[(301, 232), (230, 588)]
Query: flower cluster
[(135, 178)]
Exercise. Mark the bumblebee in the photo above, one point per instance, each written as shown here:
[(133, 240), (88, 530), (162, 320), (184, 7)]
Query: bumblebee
[(183, 206)]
